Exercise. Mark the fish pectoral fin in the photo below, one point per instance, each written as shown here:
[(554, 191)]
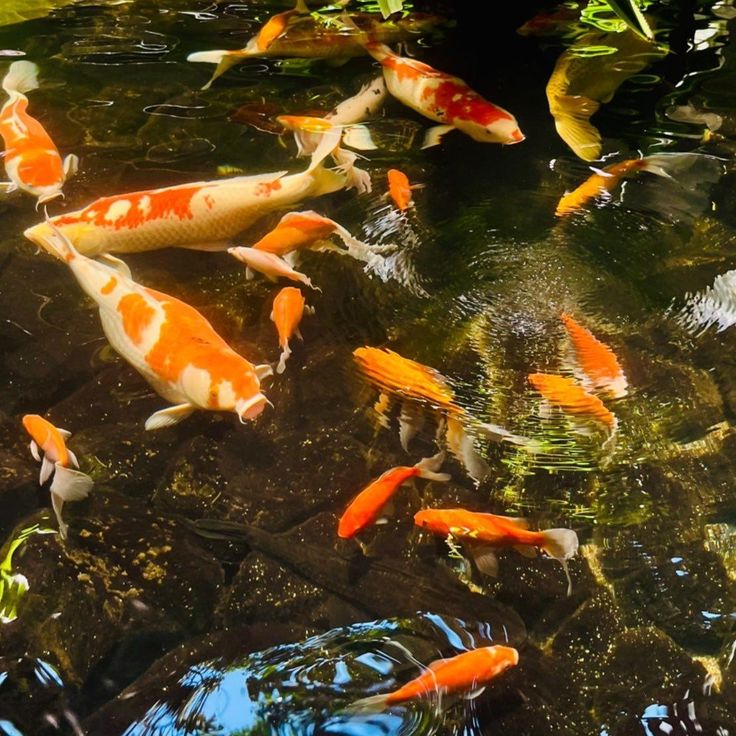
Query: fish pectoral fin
[(249, 273), (358, 137), (485, 559), (572, 120), (72, 458), (309, 310), (71, 165), (47, 467), (526, 550), (472, 694), (7, 187), (214, 247), (381, 520), (115, 263), (264, 370), (65, 433), (433, 137), (34, 451), (169, 417)]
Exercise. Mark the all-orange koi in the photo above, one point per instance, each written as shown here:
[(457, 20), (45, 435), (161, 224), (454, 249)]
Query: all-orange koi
[(168, 342), (366, 507), (68, 484), (468, 672), (483, 533), (596, 360), (202, 215), (32, 160), (287, 312), (399, 189), (573, 399)]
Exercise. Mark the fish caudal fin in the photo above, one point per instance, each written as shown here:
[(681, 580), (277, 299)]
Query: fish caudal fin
[(357, 179), (689, 170), (223, 59), (68, 485), (428, 466), (561, 544), (285, 353), (21, 77), (373, 704), (572, 120)]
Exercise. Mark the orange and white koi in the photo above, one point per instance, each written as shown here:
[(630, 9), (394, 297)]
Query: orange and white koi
[(68, 484), (286, 313), (320, 36), (596, 360), (420, 387), (483, 533), (270, 265), (168, 342), (366, 507), (468, 673), (443, 98), (200, 215), (399, 189), (300, 230), (32, 160), (573, 399)]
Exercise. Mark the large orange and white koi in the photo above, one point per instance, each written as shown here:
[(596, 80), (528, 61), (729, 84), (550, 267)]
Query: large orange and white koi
[(32, 160), (201, 215), (168, 342)]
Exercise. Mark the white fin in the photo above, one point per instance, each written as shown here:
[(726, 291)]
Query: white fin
[(525, 550), (373, 704), (311, 311), (169, 417), (58, 504), (381, 521), (359, 137), (7, 187), (285, 353), (34, 451), (208, 57), (485, 559), (65, 433), (264, 370), (572, 115), (71, 166), (433, 137), (116, 264), (47, 467), (411, 421), (357, 179), (461, 446), (498, 434), (70, 484), (72, 458), (428, 466), (328, 142), (561, 544), (473, 694), (21, 77)]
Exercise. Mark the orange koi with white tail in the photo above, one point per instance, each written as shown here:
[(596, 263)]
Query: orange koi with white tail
[(68, 484), (168, 342), (200, 216), (484, 533), (32, 160), (287, 312)]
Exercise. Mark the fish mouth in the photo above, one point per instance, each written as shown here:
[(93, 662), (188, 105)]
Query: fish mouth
[(251, 408), (516, 137)]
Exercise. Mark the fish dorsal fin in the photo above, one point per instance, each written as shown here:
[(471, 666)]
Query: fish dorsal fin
[(518, 521)]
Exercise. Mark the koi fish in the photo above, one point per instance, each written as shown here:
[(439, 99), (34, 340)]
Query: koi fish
[(32, 160), (318, 37), (168, 342), (443, 98), (287, 312), (483, 533), (200, 215), (468, 672), (399, 189), (596, 359), (580, 83), (562, 20), (420, 387), (68, 484), (298, 230), (269, 264), (366, 507), (573, 399)]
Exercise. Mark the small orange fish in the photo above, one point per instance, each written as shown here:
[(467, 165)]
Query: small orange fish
[(270, 265), (365, 508), (485, 532), (573, 399), (277, 24), (467, 672), (68, 484), (287, 312), (399, 189), (596, 359)]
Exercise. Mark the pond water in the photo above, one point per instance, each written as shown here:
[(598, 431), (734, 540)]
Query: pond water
[(202, 587)]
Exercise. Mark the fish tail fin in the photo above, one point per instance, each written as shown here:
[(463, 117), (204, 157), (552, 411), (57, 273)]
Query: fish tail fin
[(689, 170), (357, 179), (561, 544), (223, 59), (373, 704), (21, 77), (427, 468), (574, 127), (68, 485), (358, 136), (462, 447), (285, 353)]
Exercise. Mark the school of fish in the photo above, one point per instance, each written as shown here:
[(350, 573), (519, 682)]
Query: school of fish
[(192, 368)]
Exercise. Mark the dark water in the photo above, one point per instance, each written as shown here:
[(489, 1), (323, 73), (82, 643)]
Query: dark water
[(276, 628)]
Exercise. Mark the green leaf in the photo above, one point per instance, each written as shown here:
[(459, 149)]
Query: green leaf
[(630, 13), (390, 6)]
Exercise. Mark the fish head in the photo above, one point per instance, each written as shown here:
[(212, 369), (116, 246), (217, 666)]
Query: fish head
[(505, 131), (251, 407), (36, 426), (46, 194), (432, 521), (42, 236)]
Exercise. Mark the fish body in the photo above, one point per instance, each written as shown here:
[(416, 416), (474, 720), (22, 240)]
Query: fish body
[(445, 99), (581, 82), (286, 314), (32, 160), (270, 265), (399, 189), (596, 360), (366, 507), (573, 399), (200, 215), (467, 672), (68, 484), (168, 342), (320, 37), (363, 105)]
